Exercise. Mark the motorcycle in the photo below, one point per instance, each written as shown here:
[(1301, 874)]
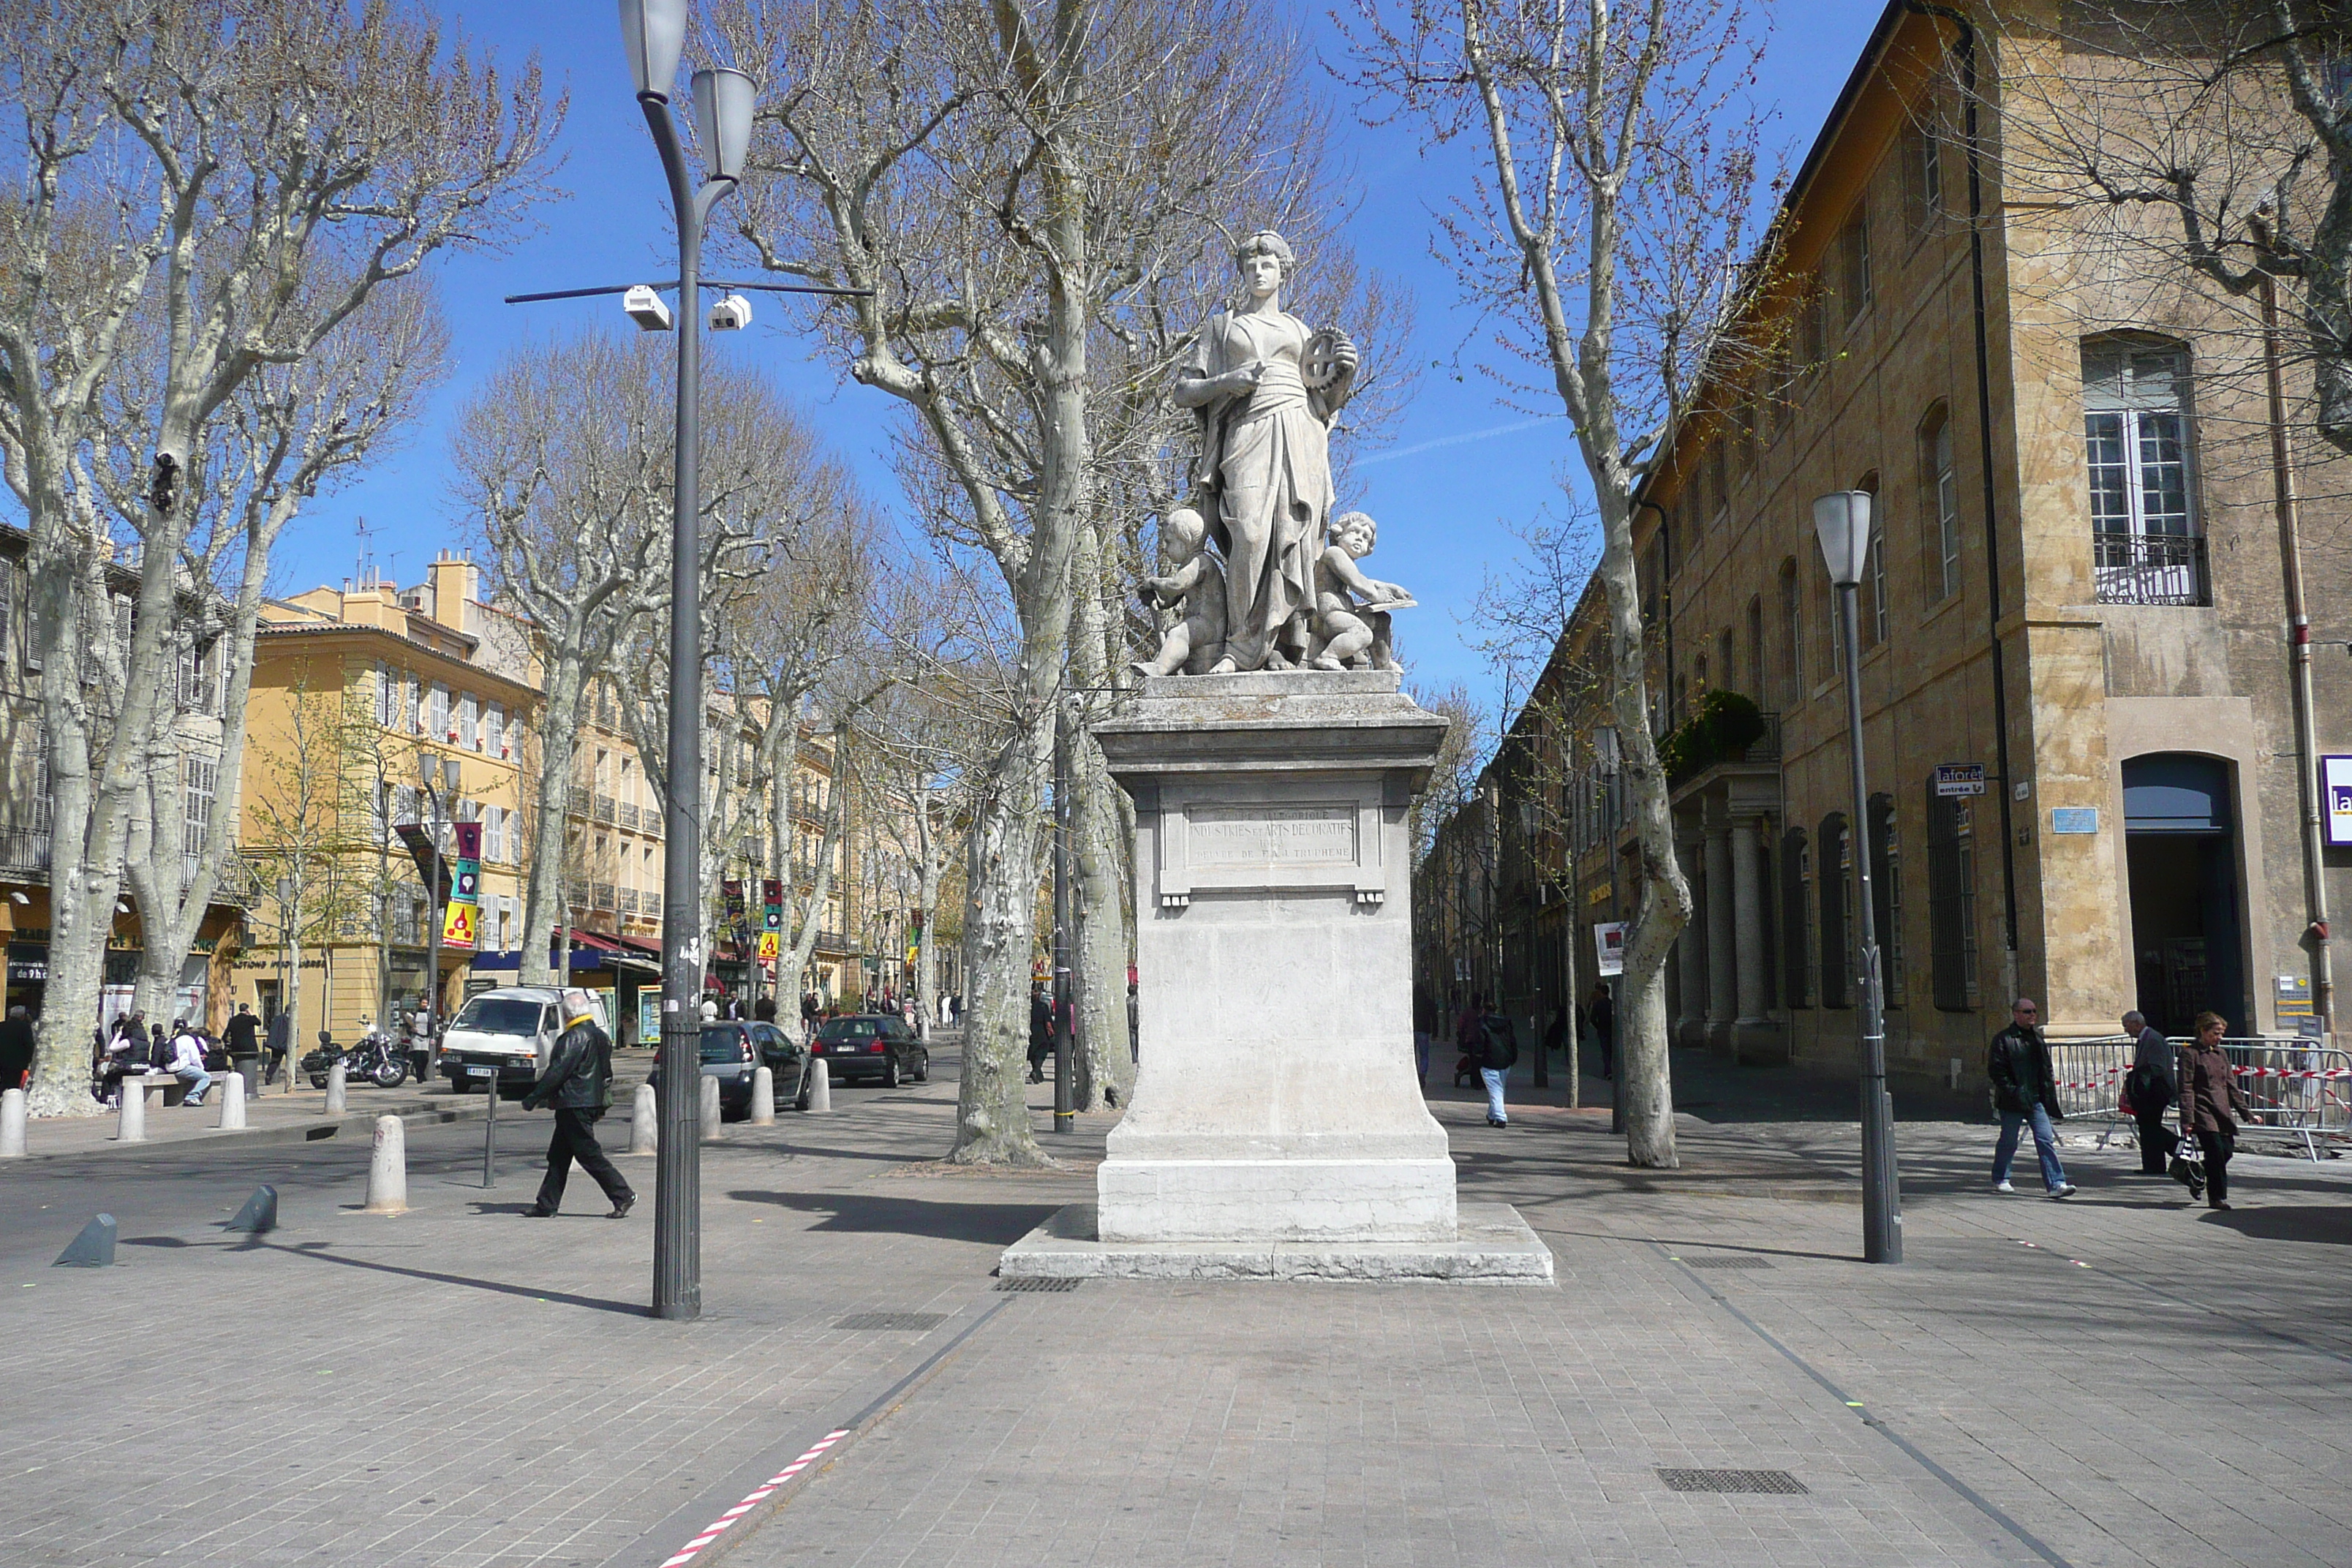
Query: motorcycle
[(378, 1059)]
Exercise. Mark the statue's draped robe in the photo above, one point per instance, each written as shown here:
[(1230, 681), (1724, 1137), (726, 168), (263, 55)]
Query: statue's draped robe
[(1265, 462)]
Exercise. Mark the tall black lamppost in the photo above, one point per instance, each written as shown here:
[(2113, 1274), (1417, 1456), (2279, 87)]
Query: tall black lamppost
[(654, 34), (1842, 519)]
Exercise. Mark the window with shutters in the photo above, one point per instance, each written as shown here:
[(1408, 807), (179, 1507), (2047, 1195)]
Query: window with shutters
[(494, 737), (1872, 610), (386, 696), (1854, 264), (199, 783), (1886, 896), (1796, 955), (440, 730), (1792, 635), (380, 809), (469, 724), (1940, 499), (2145, 548), (1923, 170), (1951, 901), (1837, 903)]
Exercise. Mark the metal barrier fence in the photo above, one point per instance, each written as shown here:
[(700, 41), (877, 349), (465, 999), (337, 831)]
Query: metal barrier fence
[(2295, 1089)]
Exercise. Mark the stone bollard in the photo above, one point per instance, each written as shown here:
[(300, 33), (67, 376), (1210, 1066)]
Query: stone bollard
[(644, 1121), (335, 1076), (820, 1086), (387, 1189), (12, 1124), (233, 1103), (132, 1127), (763, 1098), (711, 1114)]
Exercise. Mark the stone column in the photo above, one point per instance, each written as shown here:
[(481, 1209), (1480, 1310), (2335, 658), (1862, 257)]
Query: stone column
[(1748, 916), (1690, 953), (1720, 1004)]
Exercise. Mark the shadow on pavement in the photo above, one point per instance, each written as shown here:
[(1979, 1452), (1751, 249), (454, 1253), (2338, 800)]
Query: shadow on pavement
[(997, 1225), (2332, 1226), (314, 1250)]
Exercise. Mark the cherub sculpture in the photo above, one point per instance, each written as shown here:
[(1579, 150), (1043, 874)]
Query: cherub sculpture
[(1196, 581), (1351, 610)]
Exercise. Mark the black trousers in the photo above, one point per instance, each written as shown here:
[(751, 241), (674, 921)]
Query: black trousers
[(2218, 1147), (575, 1139), (2156, 1141)]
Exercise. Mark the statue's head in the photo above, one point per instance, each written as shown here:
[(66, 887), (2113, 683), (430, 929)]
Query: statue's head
[(1264, 260), (1181, 532), (1355, 532)]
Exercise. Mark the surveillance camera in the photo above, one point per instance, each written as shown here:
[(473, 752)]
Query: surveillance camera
[(647, 308), (730, 314)]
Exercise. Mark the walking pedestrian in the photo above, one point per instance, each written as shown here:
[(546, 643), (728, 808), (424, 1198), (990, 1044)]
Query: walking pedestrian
[(1498, 1051), (1603, 1011), (1041, 1032), (186, 1062), (2210, 1104), (1465, 1039), (16, 1048), (2152, 1090), (578, 1083), (2025, 1091), (278, 1040)]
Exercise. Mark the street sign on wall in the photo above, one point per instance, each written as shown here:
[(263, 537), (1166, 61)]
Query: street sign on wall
[(2336, 798), (1609, 946), (1959, 778)]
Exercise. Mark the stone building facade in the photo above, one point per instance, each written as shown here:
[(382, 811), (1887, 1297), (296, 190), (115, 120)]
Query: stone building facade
[(2075, 603)]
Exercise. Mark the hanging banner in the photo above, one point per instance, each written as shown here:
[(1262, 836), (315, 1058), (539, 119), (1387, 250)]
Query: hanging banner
[(771, 946), (772, 905), (462, 923), (457, 927), (1609, 947)]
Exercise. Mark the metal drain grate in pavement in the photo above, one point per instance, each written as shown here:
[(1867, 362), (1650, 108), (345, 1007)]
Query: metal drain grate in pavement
[(1731, 1481), (892, 1321), (1735, 1261), (1036, 1285)]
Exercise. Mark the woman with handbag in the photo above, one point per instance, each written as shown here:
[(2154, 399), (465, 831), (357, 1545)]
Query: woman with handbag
[(2210, 1105), (2149, 1091)]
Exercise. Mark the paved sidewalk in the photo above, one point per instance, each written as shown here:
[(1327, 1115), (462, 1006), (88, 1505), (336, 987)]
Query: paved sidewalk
[(2117, 1380)]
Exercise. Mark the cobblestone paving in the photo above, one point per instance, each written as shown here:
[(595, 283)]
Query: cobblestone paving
[(2117, 1380)]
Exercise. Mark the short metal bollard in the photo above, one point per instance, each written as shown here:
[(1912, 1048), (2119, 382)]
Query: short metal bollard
[(711, 1114), (820, 1086), (387, 1188), (131, 1128), (12, 1124), (233, 1103), (763, 1098), (335, 1076), (644, 1121)]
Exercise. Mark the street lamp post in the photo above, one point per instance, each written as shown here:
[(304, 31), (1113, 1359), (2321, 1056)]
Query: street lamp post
[(654, 33), (1842, 519)]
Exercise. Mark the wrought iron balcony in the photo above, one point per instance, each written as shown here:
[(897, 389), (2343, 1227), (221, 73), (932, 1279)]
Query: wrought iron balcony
[(2151, 568), (24, 850)]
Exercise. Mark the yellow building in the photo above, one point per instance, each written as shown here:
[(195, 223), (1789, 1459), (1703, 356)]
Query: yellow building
[(359, 694)]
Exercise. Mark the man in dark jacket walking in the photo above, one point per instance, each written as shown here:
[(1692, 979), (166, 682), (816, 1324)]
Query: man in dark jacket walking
[(2152, 1088), (578, 1083), (2026, 1090), (1498, 1051)]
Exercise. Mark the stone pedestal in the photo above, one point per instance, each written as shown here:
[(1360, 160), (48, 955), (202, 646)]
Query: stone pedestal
[(1276, 1105)]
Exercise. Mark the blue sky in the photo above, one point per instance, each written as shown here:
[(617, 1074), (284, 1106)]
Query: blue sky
[(1461, 470)]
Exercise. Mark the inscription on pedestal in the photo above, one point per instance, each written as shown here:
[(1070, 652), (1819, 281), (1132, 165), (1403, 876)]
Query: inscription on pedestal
[(1283, 834)]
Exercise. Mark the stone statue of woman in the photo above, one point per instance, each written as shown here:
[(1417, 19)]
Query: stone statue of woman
[(1265, 386)]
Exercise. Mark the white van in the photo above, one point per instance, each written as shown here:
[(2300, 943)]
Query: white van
[(504, 1036)]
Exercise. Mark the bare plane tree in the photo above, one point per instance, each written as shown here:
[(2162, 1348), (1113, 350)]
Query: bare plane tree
[(1606, 236), (244, 176)]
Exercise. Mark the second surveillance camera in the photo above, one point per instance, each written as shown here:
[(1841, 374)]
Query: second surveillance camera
[(730, 314)]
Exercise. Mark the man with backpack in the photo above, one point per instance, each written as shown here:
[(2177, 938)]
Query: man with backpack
[(187, 1062), (1498, 1049)]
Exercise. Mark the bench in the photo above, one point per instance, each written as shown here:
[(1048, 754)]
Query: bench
[(174, 1090)]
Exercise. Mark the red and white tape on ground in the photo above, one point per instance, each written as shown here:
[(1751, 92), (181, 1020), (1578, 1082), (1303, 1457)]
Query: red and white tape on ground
[(758, 1495)]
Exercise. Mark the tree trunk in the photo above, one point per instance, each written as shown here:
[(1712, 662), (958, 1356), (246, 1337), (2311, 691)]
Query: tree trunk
[(1000, 937), (559, 741), (1107, 1073)]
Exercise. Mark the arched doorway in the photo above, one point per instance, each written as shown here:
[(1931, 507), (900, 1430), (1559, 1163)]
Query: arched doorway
[(2180, 849)]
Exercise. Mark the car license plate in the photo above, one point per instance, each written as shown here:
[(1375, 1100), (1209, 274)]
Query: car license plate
[(479, 1072)]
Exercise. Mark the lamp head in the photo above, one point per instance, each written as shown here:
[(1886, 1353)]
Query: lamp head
[(1842, 519), (723, 100), (653, 32)]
